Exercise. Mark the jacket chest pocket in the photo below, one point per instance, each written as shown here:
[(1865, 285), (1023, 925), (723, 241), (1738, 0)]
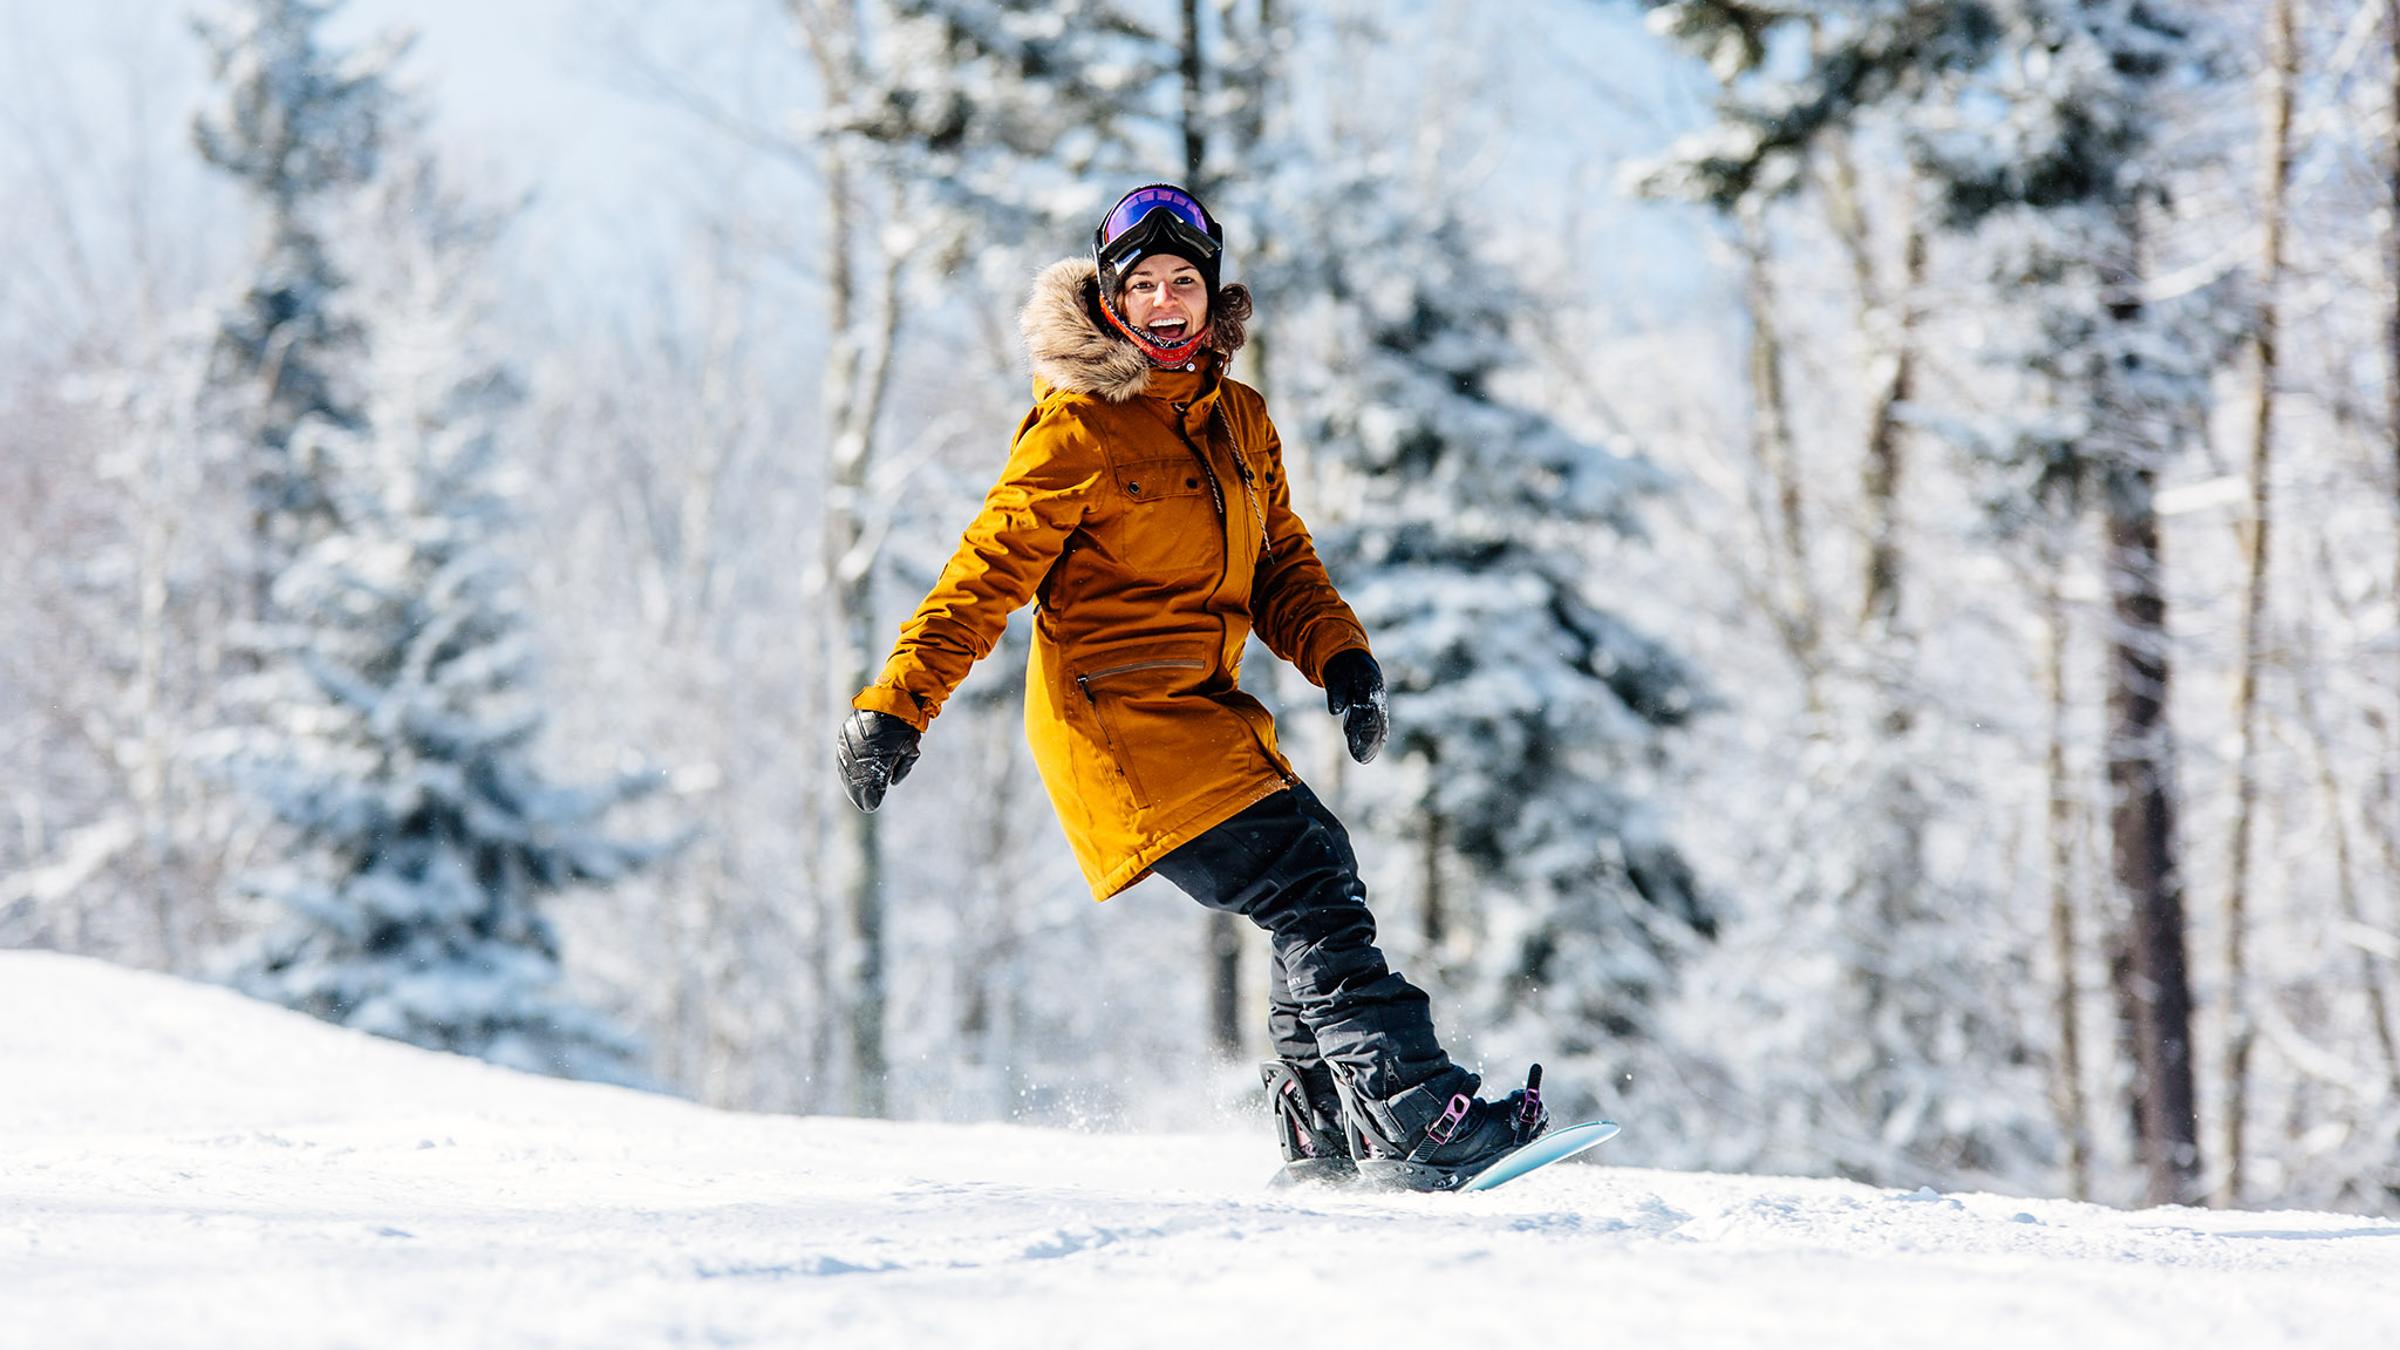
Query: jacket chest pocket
[(1169, 518)]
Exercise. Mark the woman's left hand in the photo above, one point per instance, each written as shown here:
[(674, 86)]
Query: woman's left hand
[(875, 751), (1354, 691)]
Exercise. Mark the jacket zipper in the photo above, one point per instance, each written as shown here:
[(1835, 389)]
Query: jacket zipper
[(1084, 681)]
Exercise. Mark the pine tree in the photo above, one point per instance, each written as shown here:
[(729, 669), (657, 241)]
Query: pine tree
[(1013, 114), (299, 123), (403, 711), (1013, 123)]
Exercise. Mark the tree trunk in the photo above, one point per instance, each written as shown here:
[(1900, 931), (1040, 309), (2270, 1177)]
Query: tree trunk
[(2142, 840), (2391, 343), (148, 759), (857, 375), (2283, 63), (1194, 114), (850, 593), (2066, 1004), (1223, 936), (1435, 914), (1879, 610), (2128, 1038), (1771, 444), (2141, 742), (1888, 319)]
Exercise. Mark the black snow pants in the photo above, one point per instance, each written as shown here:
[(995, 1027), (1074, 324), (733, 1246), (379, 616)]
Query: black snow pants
[(1285, 864)]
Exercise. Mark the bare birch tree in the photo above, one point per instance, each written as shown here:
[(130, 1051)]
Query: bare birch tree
[(2063, 804), (861, 265), (2282, 74)]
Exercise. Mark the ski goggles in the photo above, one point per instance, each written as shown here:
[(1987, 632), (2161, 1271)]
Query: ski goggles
[(1160, 218)]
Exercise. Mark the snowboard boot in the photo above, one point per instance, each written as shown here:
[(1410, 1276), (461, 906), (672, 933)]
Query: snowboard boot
[(1308, 1124), (1416, 1140)]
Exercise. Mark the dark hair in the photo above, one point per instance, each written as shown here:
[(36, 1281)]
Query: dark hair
[(1228, 320)]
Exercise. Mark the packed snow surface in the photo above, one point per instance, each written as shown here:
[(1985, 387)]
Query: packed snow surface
[(181, 1166)]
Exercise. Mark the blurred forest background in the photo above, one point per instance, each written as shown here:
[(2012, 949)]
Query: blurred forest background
[(1882, 517)]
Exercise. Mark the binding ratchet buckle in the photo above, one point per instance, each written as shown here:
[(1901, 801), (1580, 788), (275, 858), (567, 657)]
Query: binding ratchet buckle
[(1444, 1130)]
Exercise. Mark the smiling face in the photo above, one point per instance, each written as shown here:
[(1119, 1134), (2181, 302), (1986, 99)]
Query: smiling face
[(1164, 297)]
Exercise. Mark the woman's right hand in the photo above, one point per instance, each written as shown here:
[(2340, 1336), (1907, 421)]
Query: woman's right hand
[(876, 751)]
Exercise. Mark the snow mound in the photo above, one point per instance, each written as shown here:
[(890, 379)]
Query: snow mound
[(180, 1166)]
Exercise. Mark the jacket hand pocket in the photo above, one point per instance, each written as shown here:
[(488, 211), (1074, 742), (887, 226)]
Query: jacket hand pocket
[(1110, 708)]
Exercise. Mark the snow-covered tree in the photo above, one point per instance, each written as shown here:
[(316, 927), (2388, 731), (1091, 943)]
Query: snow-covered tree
[(298, 122), (2066, 186), (1528, 717), (139, 575), (127, 530), (1013, 115), (2039, 120), (402, 713), (1833, 1019)]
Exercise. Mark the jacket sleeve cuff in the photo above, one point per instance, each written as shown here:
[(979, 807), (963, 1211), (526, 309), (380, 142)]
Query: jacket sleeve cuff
[(1329, 641), (897, 702)]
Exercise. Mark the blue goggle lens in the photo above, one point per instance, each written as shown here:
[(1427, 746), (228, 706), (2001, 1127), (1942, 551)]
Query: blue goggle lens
[(1137, 205)]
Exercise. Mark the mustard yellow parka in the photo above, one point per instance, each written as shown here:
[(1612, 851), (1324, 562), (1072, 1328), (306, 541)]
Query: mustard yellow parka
[(1147, 514)]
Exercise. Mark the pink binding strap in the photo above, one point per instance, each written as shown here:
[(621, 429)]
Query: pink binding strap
[(1444, 1130)]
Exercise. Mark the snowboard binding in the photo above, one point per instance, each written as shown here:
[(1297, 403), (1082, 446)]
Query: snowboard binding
[(1308, 1125), (1408, 1144)]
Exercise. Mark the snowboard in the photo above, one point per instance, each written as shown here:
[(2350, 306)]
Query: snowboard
[(1399, 1175), (1554, 1146)]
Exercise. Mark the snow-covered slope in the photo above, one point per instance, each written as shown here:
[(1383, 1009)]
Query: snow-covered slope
[(180, 1166)]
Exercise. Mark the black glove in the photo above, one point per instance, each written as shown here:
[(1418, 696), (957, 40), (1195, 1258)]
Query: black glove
[(1354, 689), (876, 751)]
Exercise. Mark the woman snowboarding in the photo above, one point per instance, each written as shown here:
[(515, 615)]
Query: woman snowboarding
[(1145, 510)]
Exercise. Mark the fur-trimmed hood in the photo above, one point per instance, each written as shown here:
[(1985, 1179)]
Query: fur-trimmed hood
[(1070, 346)]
